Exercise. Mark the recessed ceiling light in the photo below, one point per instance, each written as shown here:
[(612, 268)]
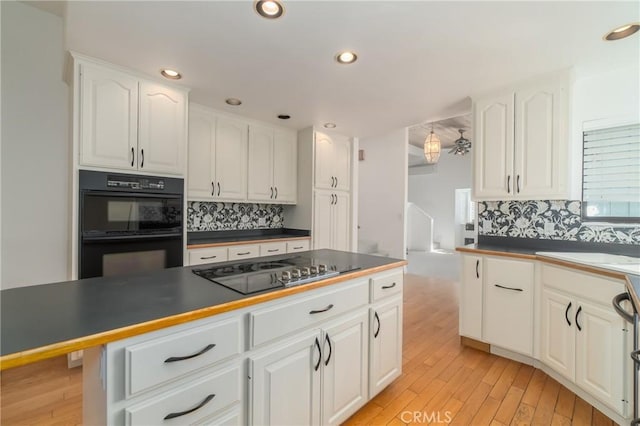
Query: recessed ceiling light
[(171, 74), (346, 57), (329, 125), (233, 101), (622, 32), (270, 9), (284, 116)]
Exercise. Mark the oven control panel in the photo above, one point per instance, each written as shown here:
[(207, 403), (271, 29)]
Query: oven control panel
[(131, 182)]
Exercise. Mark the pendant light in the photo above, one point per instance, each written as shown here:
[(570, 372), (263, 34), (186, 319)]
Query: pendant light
[(432, 148)]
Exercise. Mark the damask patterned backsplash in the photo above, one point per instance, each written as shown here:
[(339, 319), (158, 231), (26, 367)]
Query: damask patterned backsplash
[(206, 216), (527, 219)]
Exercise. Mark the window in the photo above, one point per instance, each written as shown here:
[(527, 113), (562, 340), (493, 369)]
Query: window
[(611, 174)]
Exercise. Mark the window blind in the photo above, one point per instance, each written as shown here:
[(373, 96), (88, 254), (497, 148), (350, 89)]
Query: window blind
[(611, 168)]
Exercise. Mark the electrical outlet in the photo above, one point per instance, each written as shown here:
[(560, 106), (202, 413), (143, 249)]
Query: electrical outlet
[(262, 221), (486, 225), (549, 228)]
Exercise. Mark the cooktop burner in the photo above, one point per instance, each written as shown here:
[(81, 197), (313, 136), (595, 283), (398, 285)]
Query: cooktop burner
[(249, 278)]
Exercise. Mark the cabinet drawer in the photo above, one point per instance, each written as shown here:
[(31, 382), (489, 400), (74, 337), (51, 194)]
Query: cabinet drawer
[(151, 363), (207, 255), (210, 393), (270, 249), (589, 286), (244, 252), (277, 321), (299, 245), (386, 285)]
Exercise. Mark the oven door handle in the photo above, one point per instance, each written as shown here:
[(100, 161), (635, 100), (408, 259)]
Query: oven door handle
[(617, 305)]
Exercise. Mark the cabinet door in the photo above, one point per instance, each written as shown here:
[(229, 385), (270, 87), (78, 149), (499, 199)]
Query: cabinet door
[(471, 297), (161, 142), (493, 150), (600, 354), (202, 141), (340, 221), (324, 158), (230, 168), (260, 185), (540, 117), (285, 166), (508, 304), (345, 367), (285, 385), (342, 162), (322, 224), (557, 335), (108, 118), (385, 353)]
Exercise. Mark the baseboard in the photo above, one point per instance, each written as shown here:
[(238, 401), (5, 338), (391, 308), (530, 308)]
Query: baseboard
[(475, 344)]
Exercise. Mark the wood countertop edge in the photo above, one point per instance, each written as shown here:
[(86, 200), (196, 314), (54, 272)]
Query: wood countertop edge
[(564, 263), (238, 243), (55, 349)]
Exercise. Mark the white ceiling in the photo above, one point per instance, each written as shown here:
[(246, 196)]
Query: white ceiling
[(418, 61), (446, 130)]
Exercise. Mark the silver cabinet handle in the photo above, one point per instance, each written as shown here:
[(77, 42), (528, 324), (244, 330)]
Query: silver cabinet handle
[(617, 305), (508, 288), (186, 357)]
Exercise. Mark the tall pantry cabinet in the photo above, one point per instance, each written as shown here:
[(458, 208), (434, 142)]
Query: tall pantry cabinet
[(325, 189)]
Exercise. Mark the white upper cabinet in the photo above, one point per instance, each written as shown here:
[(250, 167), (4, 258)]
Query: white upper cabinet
[(332, 162), (230, 166), (272, 171), (217, 156), (331, 220), (521, 142), (108, 118), (202, 142), (161, 139), (128, 123)]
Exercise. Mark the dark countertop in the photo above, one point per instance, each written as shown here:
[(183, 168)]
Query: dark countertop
[(217, 237), (54, 319)]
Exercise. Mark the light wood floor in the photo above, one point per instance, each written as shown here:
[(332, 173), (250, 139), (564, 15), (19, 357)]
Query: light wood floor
[(439, 378)]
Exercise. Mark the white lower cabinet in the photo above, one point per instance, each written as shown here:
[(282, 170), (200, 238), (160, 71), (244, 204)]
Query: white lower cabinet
[(508, 304), (305, 359), (285, 383), (385, 344), (582, 337), (298, 245), (470, 318)]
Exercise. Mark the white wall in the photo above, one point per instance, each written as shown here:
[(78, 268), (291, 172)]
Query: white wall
[(435, 194), (606, 98), (382, 191), (35, 148)]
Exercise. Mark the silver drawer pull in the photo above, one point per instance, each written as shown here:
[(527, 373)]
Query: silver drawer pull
[(197, 407), (208, 257), (244, 254), (617, 305), (183, 358), (508, 288), (384, 287), (272, 250), (321, 310)]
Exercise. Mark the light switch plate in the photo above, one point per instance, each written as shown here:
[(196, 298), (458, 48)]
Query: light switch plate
[(486, 225), (262, 221), (549, 228)]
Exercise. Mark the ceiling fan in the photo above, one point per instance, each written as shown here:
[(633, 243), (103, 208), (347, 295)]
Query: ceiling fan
[(461, 146)]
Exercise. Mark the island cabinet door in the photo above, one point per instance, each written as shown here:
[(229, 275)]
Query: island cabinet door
[(285, 383), (345, 368), (385, 337)]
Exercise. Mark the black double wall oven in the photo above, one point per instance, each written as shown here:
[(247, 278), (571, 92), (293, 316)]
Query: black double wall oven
[(129, 223)]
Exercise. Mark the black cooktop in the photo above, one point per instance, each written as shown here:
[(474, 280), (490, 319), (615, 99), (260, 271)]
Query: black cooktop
[(256, 277)]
